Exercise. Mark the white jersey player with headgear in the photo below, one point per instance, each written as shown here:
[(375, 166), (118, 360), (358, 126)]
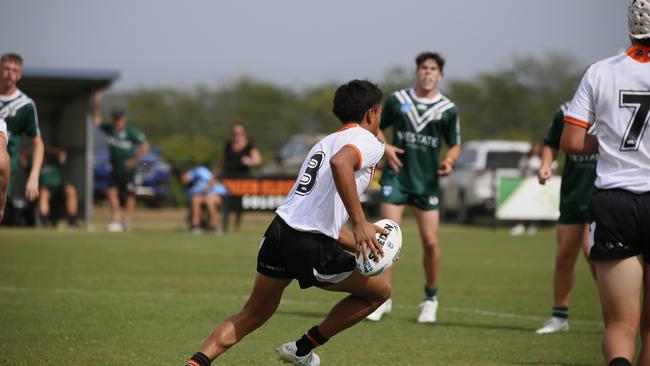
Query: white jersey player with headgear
[(614, 95), (316, 205)]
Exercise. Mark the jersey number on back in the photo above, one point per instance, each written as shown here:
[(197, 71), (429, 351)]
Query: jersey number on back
[(308, 178), (639, 101)]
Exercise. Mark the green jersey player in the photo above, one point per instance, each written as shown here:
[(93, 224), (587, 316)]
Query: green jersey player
[(19, 112), (578, 178), (422, 120)]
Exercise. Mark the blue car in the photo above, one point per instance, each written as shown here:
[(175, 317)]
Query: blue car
[(152, 176)]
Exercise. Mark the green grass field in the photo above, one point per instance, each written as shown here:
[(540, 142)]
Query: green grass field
[(149, 297)]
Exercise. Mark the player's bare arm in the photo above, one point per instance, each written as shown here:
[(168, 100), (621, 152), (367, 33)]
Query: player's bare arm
[(96, 110), (391, 153), (343, 165), (545, 170), (447, 164), (5, 173), (575, 140), (252, 159), (31, 189), (142, 149), (346, 239)]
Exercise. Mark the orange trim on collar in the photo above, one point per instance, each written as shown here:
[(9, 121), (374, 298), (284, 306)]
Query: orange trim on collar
[(639, 53), (576, 122), (349, 125)]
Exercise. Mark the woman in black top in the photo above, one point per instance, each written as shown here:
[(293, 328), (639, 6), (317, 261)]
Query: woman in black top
[(240, 155)]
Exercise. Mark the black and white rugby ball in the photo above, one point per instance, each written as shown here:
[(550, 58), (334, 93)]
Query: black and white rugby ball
[(391, 244)]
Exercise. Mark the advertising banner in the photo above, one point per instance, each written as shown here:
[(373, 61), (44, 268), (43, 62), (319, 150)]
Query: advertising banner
[(525, 199)]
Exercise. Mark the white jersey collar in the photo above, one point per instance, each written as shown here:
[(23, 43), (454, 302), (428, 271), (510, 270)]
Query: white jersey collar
[(12, 96), (424, 100)]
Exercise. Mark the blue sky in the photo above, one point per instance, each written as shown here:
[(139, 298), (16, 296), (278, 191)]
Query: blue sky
[(300, 42)]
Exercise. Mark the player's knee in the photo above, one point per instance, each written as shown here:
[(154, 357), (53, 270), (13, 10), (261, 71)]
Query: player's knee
[(70, 190), (564, 264), (382, 292), (256, 313), (431, 245)]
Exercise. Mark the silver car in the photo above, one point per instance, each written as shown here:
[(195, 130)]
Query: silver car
[(471, 188)]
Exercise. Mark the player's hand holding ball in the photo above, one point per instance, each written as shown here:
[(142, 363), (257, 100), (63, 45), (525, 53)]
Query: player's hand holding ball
[(389, 240)]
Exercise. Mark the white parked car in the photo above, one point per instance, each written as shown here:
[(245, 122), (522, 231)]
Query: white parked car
[(471, 188)]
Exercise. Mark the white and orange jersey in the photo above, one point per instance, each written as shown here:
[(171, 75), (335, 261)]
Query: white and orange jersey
[(313, 204), (614, 95)]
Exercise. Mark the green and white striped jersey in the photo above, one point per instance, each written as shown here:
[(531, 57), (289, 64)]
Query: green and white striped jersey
[(579, 172), (21, 119), (419, 127)]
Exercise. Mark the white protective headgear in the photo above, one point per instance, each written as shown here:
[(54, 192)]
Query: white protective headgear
[(638, 19)]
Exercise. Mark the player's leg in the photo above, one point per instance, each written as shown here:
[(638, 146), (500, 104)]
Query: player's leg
[(44, 205), (644, 355), (619, 285), (129, 209), (213, 203), (365, 295), (71, 203), (112, 195), (262, 303), (569, 242), (585, 249), (127, 188), (393, 212), (428, 223), (197, 203)]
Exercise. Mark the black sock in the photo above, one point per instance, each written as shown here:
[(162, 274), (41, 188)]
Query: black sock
[(310, 340), (199, 359), (72, 221), (561, 312), (45, 220), (619, 361), (430, 293)]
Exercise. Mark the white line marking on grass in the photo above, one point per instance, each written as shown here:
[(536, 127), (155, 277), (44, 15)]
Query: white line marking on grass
[(242, 298)]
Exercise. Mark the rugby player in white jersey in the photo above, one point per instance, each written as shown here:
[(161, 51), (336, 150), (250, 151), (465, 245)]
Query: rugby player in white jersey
[(614, 95), (307, 241)]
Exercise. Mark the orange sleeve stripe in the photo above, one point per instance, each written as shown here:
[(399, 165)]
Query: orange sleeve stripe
[(192, 363), (576, 122), (356, 149)]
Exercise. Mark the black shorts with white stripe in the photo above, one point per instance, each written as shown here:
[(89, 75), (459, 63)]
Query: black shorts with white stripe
[(620, 225), (313, 259)]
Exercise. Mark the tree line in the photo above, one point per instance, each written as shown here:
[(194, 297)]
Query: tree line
[(517, 101)]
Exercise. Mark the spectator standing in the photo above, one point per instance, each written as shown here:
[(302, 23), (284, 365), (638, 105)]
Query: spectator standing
[(529, 166), (239, 156), (126, 145)]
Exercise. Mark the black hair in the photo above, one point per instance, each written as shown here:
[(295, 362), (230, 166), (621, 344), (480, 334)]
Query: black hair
[(353, 99), (430, 56)]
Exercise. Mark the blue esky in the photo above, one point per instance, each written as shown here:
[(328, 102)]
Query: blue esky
[(300, 42)]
